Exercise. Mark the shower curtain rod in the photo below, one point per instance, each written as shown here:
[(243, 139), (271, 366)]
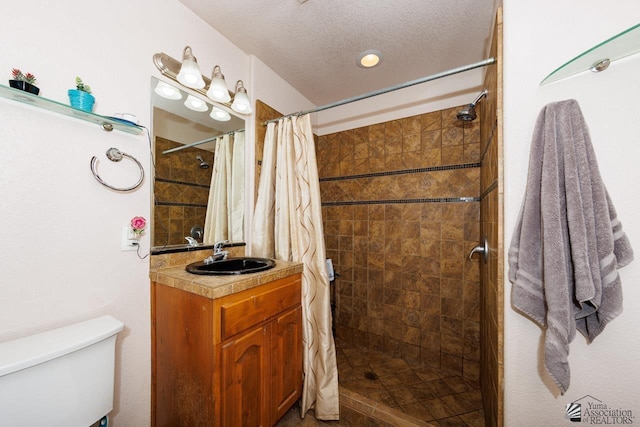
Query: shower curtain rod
[(436, 76), (204, 141)]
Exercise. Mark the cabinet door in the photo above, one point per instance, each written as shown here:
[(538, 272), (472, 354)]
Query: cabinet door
[(182, 355), (244, 376), (286, 358)]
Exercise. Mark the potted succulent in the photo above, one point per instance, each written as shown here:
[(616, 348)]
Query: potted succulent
[(24, 82), (81, 96)]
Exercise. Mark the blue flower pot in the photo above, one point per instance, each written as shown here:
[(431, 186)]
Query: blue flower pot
[(81, 100)]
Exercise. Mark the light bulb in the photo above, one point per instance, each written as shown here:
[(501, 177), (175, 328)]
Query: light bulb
[(189, 74), (241, 103), (369, 58), (218, 88), (167, 91), (195, 104)]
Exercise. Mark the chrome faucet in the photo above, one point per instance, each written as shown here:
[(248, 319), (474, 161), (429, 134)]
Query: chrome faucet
[(218, 253), (191, 241)]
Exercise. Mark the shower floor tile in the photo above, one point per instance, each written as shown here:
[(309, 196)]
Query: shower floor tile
[(423, 395), (427, 394)]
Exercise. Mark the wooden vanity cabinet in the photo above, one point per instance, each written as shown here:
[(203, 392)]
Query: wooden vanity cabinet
[(232, 361)]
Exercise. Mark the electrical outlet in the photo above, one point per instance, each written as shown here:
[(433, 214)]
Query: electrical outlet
[(128, 243)]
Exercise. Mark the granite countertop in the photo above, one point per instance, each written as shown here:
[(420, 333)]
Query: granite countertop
[(218, 286)]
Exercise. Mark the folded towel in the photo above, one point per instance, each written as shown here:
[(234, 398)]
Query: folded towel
[(568, 242)]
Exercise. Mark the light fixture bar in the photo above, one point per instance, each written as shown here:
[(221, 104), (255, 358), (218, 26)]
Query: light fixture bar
[(171, 68), (436, 76), (204, 141)]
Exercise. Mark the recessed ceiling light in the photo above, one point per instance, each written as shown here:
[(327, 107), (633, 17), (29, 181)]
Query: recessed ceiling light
[(369, 58)]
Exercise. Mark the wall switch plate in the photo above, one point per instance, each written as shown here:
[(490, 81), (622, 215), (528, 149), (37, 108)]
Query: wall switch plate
[(128, 242)]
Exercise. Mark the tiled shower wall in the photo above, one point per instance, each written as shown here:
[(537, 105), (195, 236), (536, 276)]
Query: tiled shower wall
[(181, 192), (401, 213), (491, 190)]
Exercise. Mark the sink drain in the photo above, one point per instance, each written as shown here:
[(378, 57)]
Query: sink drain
[(370, 375)]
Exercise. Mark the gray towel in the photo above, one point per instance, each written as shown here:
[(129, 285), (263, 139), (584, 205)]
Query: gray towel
[(568, 242)]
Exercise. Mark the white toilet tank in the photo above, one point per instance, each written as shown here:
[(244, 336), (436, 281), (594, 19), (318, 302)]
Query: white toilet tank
[(59, 378)]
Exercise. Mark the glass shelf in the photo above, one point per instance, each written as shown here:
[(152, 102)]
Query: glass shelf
[(624, 44), (67, 110)]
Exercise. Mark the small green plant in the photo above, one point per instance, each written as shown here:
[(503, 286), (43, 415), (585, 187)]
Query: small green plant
[(17, 75), (81, 86)]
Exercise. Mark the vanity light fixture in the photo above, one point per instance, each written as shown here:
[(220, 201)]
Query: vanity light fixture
[(214, 88), (218, 88), (219, 114), (195, 104), (189, 74), (241, 103), (369, 58), (167, 91)]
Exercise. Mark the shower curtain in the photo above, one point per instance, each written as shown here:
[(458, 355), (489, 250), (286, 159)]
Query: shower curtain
[(236, 208), (225, 209), (288, 226), (216, 223)]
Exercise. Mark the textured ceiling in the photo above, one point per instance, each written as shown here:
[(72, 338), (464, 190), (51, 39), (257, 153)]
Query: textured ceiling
[(314, 45)]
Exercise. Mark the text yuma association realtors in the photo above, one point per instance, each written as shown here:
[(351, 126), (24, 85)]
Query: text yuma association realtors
[(600, 413)]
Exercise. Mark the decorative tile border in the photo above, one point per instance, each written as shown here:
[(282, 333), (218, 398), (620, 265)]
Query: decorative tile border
[(401, 172), (404, 201), (190, 205), (190, 184)]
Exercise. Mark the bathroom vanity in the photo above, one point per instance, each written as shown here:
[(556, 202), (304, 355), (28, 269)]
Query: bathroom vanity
[(226, 350)]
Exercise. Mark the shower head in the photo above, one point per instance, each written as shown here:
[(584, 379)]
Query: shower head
[(468, 113), (203, 164)]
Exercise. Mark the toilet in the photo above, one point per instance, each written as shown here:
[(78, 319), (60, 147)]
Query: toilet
[(59, 378)]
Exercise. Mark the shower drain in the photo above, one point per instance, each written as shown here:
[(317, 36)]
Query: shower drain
[(371, 375)]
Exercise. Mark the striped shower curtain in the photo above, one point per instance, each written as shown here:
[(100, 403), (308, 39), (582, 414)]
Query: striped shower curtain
[(216, 223), (288, 226), (236, 200), (224, 219)]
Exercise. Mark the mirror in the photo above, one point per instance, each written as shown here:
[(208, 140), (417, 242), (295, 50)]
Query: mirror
[(183, 178)]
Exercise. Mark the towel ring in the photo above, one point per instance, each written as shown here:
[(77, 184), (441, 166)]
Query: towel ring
[(116, 155)]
